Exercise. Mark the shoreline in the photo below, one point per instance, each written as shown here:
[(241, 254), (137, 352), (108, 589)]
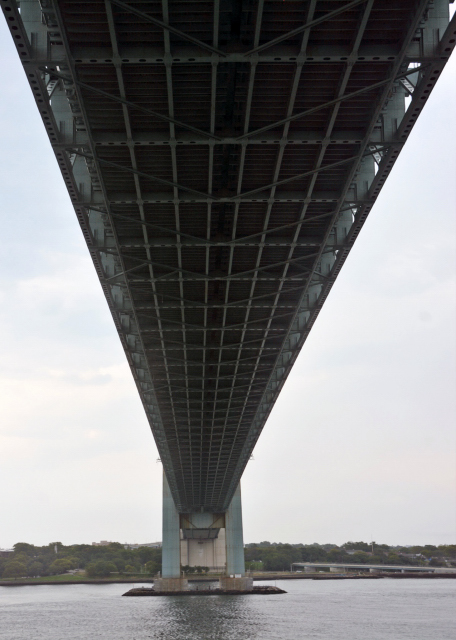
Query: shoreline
[(308, 576)]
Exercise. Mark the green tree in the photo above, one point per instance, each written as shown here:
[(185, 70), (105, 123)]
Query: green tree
[(375, 559), (313, 554), (100, 569), (436, 562), (360, 557), (21, 557), (144, 554), (120, 563), (129, 568), (61, 565), (14, 569), (358, 546), (74, 561), (394, 558), (337, 555), (35, 569), (152, 567), (24, 547)]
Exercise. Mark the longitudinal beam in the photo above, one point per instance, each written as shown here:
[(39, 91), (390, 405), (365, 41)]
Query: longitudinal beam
[(221, 168)]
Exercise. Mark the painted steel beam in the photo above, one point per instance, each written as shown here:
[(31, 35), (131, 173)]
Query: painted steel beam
[(343, 98), (307, 26), (146, 138), (188, 55), (166, 27), (178, 345)]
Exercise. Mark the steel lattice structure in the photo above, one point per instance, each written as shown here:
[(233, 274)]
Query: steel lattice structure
[(222, 157)]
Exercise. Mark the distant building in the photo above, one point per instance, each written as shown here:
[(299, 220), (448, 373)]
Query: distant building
[(5, 553), (102, 543), (152, 545)]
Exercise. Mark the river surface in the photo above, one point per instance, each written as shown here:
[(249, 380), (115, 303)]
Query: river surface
[(329, 610)]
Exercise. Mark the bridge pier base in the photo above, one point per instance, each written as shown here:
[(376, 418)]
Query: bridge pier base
[(194, 538), (170, 584), (236, 584)]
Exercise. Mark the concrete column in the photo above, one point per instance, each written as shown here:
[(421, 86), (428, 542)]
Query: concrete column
[(236, 584), (171, 585), (235, 564), (171, 535), (337, 569)]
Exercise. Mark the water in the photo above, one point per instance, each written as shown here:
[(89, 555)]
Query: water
[(329, 610)]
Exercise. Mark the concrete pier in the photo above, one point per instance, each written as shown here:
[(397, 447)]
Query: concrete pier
[(212, 540), (170, 584), (171, 535), (236, 584), (203, 540), (235, 562)]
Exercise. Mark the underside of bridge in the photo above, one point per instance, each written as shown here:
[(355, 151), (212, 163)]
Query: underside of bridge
[(222, 157)]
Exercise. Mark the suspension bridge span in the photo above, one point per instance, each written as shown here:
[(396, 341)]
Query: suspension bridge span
[(222, 157)]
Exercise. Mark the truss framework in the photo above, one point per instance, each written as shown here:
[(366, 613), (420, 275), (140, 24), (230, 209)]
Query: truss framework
[(215, 282)]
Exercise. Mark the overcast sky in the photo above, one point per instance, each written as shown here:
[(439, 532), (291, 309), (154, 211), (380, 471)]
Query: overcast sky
[(361, 443)]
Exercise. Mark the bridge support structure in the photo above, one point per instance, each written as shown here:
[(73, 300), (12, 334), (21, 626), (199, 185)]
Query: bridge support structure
[(213, 540), (171, 579)]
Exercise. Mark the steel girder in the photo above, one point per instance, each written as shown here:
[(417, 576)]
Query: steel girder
[(215, 281)]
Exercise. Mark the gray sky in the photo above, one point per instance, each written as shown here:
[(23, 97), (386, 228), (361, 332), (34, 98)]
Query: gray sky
[(362, 441)]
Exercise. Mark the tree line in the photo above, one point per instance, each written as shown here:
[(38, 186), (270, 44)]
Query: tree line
[(55, 558), (274, 556)]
